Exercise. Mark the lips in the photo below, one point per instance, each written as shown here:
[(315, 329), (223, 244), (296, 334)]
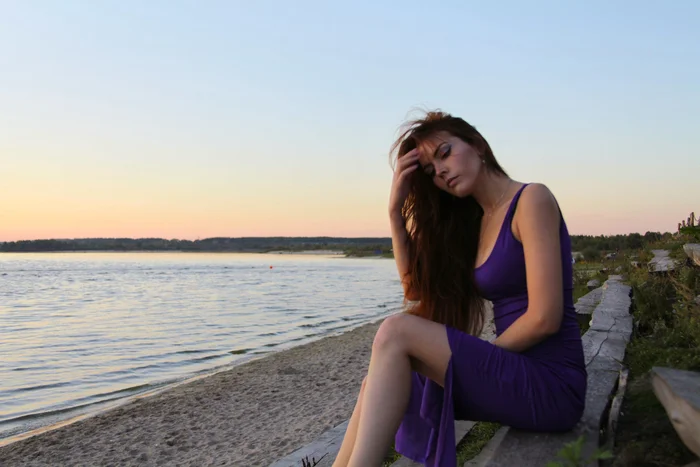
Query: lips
[(451, 181)]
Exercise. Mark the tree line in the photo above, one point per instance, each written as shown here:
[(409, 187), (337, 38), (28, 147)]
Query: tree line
[(590, 246), (229, 244), (593, 247)]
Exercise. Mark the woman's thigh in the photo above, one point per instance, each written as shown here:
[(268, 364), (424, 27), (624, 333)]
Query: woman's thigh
[(493, 384)]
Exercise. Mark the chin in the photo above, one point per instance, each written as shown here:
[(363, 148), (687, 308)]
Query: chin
[(461, 192)]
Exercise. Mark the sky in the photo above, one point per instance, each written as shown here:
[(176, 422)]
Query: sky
[(190, 120)]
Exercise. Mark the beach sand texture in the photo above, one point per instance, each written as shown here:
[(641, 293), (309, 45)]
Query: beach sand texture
[(250, 415)]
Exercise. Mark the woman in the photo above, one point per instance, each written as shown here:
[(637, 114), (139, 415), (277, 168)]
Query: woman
[(463, 231)]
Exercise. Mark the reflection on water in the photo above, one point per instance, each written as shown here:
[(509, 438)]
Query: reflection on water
[(78, 329)]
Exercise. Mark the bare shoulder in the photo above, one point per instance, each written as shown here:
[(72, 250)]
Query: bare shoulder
[(537, 209), (537, 194)]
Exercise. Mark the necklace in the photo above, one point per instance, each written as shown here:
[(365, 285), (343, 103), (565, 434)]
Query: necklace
[(493, 209)]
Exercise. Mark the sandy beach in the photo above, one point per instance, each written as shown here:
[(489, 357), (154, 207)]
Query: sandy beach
[(251, 415)]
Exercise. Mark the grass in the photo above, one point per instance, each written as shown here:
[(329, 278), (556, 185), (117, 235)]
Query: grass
[(678, 253), (667, 333), (392, 457), (472, 444), (584, 321), (589, 266), (583, 272), (579, 291)]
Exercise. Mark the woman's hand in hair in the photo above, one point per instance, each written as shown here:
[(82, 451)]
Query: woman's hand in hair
[(405, 166)]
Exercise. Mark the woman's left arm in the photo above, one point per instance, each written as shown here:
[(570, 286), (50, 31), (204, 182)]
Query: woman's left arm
[(537, 224)]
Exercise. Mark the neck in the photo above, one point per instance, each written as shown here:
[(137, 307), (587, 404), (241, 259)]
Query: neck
[(491, 190)]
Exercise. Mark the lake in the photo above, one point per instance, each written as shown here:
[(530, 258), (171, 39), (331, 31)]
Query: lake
[(79, 331)]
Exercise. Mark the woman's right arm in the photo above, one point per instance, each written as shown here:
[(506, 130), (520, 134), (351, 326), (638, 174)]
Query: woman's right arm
[(400, 185)]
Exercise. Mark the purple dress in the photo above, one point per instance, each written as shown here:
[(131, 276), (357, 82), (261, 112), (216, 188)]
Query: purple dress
[(540, 389)]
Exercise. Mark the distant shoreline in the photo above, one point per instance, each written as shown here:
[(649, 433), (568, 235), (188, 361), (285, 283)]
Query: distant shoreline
[(260, 245), (334, 253), (281, 252), (329, 253)]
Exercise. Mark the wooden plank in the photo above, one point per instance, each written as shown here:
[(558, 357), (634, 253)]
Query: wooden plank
[(693, 252), (679, 393), (661, 262), (586, 304)]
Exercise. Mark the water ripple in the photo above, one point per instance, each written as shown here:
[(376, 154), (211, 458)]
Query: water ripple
[(79, 329)]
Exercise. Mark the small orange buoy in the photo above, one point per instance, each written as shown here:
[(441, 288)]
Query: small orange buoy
[(270, 267)]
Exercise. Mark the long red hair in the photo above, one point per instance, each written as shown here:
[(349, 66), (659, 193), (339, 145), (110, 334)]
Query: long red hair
[(443, 231)]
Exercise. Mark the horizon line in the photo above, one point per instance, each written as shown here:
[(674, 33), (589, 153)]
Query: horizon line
[(270, 236)]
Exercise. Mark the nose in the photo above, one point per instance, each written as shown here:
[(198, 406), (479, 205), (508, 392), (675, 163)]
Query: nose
[(441, 170)]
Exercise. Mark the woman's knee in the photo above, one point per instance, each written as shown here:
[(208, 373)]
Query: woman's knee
[(391, 333)]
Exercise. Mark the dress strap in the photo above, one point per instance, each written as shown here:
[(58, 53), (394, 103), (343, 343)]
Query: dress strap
[(513, 204)]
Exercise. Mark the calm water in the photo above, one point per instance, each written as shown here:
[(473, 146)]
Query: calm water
[(78, 330)]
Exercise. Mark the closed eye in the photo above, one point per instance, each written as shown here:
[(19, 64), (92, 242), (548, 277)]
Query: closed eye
[(446, 152), (442, 152)]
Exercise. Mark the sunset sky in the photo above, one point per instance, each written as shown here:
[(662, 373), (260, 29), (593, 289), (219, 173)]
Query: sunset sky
[(197, 119)]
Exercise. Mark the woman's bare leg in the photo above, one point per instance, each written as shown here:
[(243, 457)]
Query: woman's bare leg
[(403, 343), (351, 432)]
